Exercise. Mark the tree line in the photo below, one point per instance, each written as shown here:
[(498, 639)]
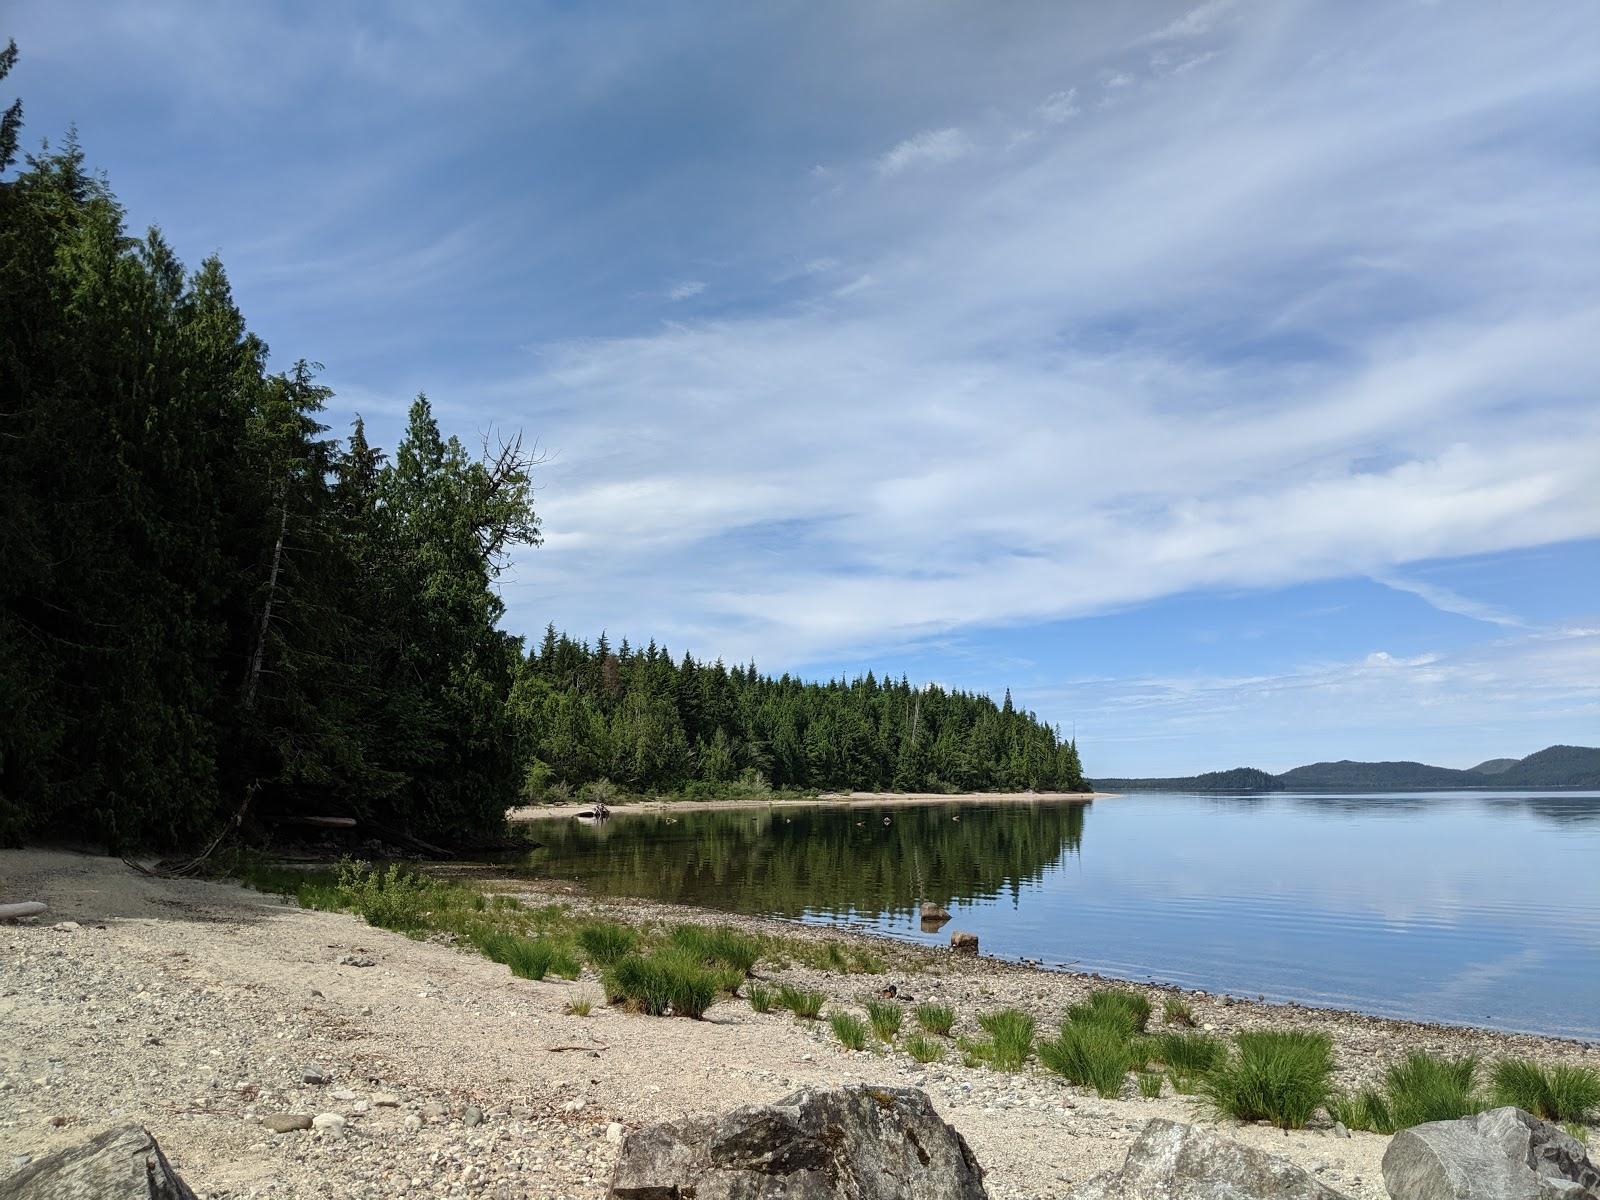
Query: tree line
[(212, 612)]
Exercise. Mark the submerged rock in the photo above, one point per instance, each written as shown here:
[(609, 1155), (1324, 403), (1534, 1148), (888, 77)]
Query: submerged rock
[(1503, 1154), (1173, 1161), (121, 1164), (856, 1143)]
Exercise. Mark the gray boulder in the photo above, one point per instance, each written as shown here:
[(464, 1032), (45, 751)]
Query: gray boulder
[(1172, 1161), (1503, 1154), (859, 1142), (120, 1164)]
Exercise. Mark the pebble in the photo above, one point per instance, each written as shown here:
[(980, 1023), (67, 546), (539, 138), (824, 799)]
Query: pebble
[(286, 1122), (413, 1122), (345, 1094), (385, 1100), (330, 1125), (473, 1116), (434, 1112), (314, 1075), (614, 1131)]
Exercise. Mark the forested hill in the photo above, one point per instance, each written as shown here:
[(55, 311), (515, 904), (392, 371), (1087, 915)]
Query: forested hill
[(643, 720), (1556, 766), (212, 614)]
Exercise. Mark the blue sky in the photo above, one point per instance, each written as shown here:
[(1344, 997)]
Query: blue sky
[(1221, 377)]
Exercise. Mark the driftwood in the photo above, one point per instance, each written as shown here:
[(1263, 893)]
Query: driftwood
[(22, 908), (559, 1049), (326, 822)]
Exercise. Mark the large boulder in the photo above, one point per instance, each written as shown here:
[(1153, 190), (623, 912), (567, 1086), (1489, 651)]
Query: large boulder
[(120, 1164), (1503, 1154), (856, 1143), (1173, 1161)]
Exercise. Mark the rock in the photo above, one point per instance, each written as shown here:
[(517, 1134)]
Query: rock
[(413, 1122), (352, 960), (385, 1100), (67, 926), (860, 1142), (435, 1112), (1506, 1154), (1339, 1130), (964, 943), (472, 1116), (121, 1164), (314, 1075), (329, 1125), (286, 1122), (1172, 1161), (614, 1132), (934, 914), (345, 1094)]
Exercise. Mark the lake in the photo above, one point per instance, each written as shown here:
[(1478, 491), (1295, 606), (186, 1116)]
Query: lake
[(1480, 908)]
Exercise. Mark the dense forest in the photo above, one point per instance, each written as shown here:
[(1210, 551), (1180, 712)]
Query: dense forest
[(213, 613)]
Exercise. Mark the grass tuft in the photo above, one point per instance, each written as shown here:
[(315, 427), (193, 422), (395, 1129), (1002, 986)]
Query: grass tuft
[(1150, 1084), (664, 981), (804, 1004), (885, 1016), (1116, 1007), (1277, 1075), (1089, 1054), (937, 1019), (923, 1048), (1176, 1012), (1010, 1033), (719, 944), (851, 1030), (607, 941), (1563, 1093), (760, 998), (581, 1007)]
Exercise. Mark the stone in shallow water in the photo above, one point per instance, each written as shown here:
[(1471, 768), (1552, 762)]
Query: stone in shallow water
[(120, 1164), (1503, 1154), (859, 1142)]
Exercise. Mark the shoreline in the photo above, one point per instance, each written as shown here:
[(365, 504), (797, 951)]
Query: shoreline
[(195, 1008), (549, 812)]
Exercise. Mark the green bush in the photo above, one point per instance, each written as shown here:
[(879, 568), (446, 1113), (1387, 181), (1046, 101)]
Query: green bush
[(1563, 1093), (885, 1016), (936, 1018), (1116, 1007), (664, 981), (395, 899), (1277, 1075), (850, 1030), (1176, 1012), (760, 998), (607, 941), (803, 1004), (1150, 1084), (1089, 1054), (924, 1049), (1010, 1037), (719, 944)]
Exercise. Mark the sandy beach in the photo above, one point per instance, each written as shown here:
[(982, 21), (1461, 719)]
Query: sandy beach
[(198, 1008)]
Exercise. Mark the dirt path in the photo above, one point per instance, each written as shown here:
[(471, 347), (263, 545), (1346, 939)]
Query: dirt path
[(198, 1008)]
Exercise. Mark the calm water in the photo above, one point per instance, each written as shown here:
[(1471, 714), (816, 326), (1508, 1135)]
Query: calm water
[(1470, 907)]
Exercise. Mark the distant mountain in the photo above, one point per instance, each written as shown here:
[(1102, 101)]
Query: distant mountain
[(1494, 766), (1555, 767)]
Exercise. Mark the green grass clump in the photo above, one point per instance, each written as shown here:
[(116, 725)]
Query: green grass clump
[(528, 958), (885, 1016), (664, 981), (1191, 1054), (719, 944), (1089, 1054), (1424, 1088), (850, 1030), (923, 1048), (760, 998), (1176, 1012), (1116, 1007), (1563, 1093), (1010, 1038), (607, 941), (1277, 1075), (1367, 1109), (1578, 1132), (803, 1004), (936, 1018), (1150, 1084), (581, 1007)]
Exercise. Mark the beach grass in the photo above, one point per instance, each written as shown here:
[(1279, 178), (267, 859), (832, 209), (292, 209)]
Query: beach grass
[(923, 1048), (1561, 1093), (760, 998), (1277, 1075), (1177, 1012), (604, 942), (851, 1030), (1150, 1084), (664, 981), (1011, 1033), (1090, 1054), (805, 1004), (885, 1016), (937, 1019), (1115, 1007)]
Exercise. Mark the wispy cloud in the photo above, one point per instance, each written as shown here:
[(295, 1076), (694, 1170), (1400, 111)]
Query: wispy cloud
[(686, 290), (1449, 601), (931, 148)]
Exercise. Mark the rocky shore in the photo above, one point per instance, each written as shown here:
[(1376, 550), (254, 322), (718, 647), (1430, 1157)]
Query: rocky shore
[(215, 1015)]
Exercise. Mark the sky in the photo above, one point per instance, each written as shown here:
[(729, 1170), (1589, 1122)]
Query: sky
[(1220, 377)]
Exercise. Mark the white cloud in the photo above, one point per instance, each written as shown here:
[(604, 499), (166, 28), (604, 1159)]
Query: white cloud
[(686, 290), (1197, 22), (932, 147), (1059, 107), (1446, 600)]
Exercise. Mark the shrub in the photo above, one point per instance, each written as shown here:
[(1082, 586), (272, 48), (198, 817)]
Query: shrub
[(885, 1016), (662, 981), (1561, 1093), (1117, 1007), (850, 1030), (760, 998), (1011, 1037), (1277, 1075), (606, 941), (719, 944), (924, 1049), (394, 899), (1176, 1012), (936, 1018), (803, 1004), (1150, 1084), (1424, 1088), (1089, 1054)]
